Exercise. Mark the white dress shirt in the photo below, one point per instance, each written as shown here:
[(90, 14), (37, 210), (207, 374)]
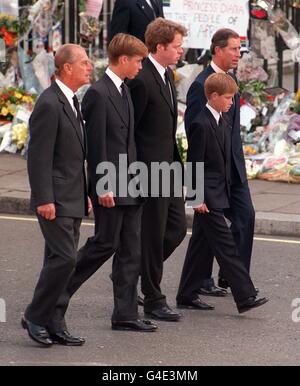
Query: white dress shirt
[(161, 70), (116, 80), (214, 112), (68, 93)]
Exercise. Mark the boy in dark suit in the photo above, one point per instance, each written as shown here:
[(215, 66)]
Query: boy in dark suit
[(210, 142), (225, 50)]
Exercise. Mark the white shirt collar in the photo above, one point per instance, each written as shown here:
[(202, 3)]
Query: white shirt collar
[(214, 112), (66, 91), (116, 80), (161, 70), (217, 69)]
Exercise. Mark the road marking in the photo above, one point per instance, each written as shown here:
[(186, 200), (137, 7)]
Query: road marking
[(91, 224)]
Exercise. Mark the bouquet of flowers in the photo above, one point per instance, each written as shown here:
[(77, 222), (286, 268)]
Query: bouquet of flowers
[(8, 29), (12, 97)]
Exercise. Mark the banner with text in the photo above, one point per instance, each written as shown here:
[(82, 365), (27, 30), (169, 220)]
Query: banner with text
[(203, 18)]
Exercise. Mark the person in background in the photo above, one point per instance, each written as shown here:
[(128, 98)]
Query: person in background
[(133, 17)]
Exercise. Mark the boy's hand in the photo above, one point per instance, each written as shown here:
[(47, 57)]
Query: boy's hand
[(107, 200), (201, 209)]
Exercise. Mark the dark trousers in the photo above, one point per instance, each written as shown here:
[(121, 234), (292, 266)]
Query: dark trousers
[(212, 232), (163, 229), (241, 214), (117, 231), (61, 240)]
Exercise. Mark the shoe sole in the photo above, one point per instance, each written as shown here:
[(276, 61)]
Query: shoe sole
[(150, 316), (121, 328), (68, 344), (255, 306), (194, 308), (214, 295), (24, 325)]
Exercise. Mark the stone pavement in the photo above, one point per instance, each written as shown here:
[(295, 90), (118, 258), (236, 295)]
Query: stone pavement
[(277, 204)]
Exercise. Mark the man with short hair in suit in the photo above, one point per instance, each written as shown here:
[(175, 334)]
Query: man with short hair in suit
[(225, 50), (108, 111), (133, 17), (56, 156), (155, 105), (210, 142)]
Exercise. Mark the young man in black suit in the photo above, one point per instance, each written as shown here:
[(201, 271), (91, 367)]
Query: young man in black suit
[(56, 156), (108, 111), (155, 106), (210, 142), (225, 50), (133, 17)]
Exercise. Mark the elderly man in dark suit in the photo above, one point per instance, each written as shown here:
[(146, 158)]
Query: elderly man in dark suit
[(56, 156), (108, 112), (225, 49), (133, 16), (154, 98)]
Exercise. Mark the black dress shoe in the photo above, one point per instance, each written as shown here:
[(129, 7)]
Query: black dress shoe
[(212, 291), (66, 339), (164, 313), (196, 304), (223, 283), (37, 333), (140, 301), (134, 325), (250, 303)]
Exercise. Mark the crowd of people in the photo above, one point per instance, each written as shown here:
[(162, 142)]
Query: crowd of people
[(132, 111)]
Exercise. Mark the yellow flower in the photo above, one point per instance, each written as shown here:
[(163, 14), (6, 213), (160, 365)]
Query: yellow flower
[(18, 95), (298, 96), (27, 99), (4, 111)]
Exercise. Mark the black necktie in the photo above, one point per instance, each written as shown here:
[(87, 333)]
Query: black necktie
[(155, 7), (125, 99), (168, 86), (78, 114), (220, 131)]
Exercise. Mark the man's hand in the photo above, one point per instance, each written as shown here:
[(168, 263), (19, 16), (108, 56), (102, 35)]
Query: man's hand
[(107, 200), (201, 209), (90, 206), (47, 211)]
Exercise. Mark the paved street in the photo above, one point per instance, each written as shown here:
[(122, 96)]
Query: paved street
[(266, 336)]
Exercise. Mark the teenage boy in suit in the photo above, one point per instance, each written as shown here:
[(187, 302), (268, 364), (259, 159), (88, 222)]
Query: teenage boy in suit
[(210, 142), (225, 50)]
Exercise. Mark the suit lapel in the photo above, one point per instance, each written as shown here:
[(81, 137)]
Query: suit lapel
[(115, 98), (146, 9), (69, 113), (215, 128), (161, 84)]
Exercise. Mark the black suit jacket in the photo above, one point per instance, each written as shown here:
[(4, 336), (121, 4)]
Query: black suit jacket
[(56, 155), (196, 101), (206, 146), (110, 131), (132, 17), (155, 116)]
